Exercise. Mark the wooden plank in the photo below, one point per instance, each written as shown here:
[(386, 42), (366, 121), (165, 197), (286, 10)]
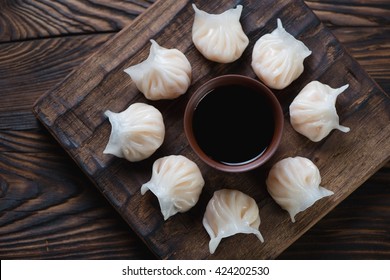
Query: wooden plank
[(332, 234), (347, 220), (351, 13), (79, 101), (21, 20), (86, 227), (346, 232), (29, 69), (48, 206), (42, 18)]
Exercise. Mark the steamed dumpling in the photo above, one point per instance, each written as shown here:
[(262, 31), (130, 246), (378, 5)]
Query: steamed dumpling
[(136, 133), (313, 111), (219, 37), (177, 182), (165, 74), (230, 212), (277, 58), (294, 183)]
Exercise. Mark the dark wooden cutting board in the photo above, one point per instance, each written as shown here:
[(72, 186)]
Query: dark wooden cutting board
[(73, 113)]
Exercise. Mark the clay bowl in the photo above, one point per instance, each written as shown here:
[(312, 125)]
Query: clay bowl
[(267, 119)]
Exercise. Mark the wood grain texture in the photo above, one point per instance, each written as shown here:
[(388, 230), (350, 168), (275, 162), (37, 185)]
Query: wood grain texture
[(350, 231), (363, 27), (36, 217), (370, 234), (30, 68), (74, 117), (352, 13), (31, 19), (48, 206)]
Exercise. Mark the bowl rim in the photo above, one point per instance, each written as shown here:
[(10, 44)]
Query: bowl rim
[(234, 79)]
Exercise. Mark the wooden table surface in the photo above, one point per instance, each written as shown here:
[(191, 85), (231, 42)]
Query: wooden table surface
[(50, 210)]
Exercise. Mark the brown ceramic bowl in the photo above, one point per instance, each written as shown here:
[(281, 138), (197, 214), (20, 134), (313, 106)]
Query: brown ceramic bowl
[(273, 118)]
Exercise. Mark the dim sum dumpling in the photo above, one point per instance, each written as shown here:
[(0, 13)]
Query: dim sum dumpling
[(219, 37), (313, 111), (177, 183), (277, 58), (165, 74), (230, 212), (136, 133), (294, 183)]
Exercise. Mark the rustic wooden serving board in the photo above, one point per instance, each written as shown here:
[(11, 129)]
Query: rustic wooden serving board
[(73, 113)]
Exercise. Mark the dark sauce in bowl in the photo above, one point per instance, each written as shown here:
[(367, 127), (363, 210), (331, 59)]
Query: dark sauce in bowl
[(233, 124)]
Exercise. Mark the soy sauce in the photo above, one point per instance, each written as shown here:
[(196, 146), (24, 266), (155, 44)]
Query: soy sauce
[(233, 124)]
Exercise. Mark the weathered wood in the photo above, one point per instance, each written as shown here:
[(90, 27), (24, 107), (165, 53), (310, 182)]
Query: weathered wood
[(48, 205), (352, 13), (51, 225), (346, 232), (364, 214), (68, 52), (21, 20), (84, 226), (28, 69), (73, 113), (363, 27)]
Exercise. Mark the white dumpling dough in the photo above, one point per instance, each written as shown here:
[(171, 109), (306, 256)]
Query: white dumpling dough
[(177, 183), (165, 74), (277, 58), (230, 212), (294, 183), (313, 111), (219, 37), (136, 133)]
